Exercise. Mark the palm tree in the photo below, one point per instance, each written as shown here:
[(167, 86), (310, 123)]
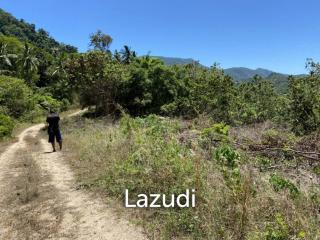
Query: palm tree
[(148, 62), (5, 57), (117, 56), (127, 55), (29, 63), (59, 68)]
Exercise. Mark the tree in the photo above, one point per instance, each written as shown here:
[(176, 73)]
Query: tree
[(304, 95), (97, 80), (29, 64), (127, 56), (150, 85), (256, 101), (100, 41), (5, 57)]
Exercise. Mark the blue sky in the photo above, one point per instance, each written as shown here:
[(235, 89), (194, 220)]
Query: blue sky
[(273, 34)]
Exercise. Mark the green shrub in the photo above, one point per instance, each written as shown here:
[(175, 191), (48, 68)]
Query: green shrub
[(46, 102), (314, 195), (6, 126), (216, 130), (221, 128), (304, 107), (316, 170), (213, 136), (263, 163), (227, 156), (278, 230), (279, 183), (14, 96)]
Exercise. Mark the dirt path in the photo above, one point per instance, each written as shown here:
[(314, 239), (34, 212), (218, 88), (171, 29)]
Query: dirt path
[(39, 198)]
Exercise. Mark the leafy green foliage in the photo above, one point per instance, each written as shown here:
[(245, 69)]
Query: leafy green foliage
[(14, 96), (227, 156), (279, 183), (28, 65), (257, 101), (211, 136), (279, 230), (150, 85), (97, 79), (264, 163), (233, 201), (6, 126), (18, 101), (304, 96), (100, 41)]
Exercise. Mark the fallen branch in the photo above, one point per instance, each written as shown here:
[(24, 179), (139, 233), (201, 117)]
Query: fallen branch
[(260, 147)]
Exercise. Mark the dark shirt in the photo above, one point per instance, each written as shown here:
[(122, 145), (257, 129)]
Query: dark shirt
[(53, 120)]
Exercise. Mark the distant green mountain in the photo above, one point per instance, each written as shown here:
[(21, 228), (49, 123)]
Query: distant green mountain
[(11, 26), (237, 73), (279, 80), (241, 73), (175, 61)]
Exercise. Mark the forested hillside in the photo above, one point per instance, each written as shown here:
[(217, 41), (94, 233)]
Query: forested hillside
[(251, 152), (10, 26)]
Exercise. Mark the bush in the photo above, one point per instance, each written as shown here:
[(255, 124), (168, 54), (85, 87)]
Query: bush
[(46, 102), (279, 230), (6, 126), (14, 96), (304, 94), (279, 183), (214, 135), (227, 156)]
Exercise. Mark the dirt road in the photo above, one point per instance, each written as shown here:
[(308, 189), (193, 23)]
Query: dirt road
[(39, 198)]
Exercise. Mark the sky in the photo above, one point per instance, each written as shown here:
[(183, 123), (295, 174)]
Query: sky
[(274, 34)]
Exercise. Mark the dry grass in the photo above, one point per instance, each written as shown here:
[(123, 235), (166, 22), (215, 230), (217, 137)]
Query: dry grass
[(237, 203)]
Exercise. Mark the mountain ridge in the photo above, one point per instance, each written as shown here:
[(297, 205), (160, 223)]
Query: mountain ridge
[(238, 73), (242, 74)]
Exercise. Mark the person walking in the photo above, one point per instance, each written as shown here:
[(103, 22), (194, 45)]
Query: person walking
[(54, 129)]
